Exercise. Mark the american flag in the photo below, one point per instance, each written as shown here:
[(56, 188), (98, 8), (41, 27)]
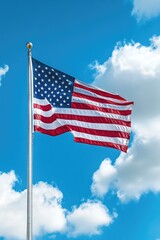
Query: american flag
[(62, 104)]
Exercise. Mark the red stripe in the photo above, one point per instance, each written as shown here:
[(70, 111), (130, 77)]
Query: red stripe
[(95, 132), (60, 130), (99, 92), (81, 118), (55, 132), (42, 107), (105, 144), (100, 100), (86, 106)]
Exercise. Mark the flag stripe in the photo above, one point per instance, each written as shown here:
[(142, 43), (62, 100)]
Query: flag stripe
[(79, 112), (53, 125), (100, 100), (97, 90), (103, 105), (86, 119), (42, 107), (95, 95), (96, 132), (63, 129), (105, 144), (78, 105), (100, 138)]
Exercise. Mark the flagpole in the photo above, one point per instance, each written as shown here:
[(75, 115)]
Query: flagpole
[(30, 137)]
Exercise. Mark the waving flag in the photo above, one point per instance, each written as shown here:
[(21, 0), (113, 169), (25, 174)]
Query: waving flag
[(62, 104)]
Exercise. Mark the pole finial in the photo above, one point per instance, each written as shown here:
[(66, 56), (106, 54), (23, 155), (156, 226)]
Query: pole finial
[(29, 45)]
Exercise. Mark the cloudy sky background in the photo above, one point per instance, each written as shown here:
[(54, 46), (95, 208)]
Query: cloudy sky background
[(80, 191)]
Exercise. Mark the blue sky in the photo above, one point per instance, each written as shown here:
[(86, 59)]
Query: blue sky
[(82, 191)]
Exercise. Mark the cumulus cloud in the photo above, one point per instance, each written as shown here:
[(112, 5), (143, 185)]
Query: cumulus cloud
[(133, 71), (88, 219), (3, 72), (146, 9), (49, 217), (103, 178)]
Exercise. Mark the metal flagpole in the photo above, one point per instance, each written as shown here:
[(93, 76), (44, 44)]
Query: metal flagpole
[(30, 137)]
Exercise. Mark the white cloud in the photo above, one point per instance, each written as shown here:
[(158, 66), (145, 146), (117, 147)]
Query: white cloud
[(103, 178), (3, 72), (49, 217), (88, 219), (146, 9), (133, 71)]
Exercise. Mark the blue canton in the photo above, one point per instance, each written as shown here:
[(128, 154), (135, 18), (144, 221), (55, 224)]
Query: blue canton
[(53, 85)]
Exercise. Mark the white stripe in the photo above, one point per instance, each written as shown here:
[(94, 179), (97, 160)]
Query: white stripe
[(80, 112), (42, 102), (88, 93), (95, 88), (98, 126), (102, 105), (47, 126), (121, 141)]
